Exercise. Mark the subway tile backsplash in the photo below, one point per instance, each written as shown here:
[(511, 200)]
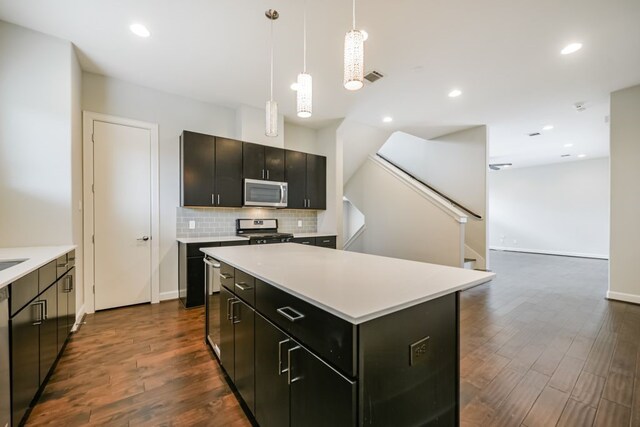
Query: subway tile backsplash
[(213, 222)]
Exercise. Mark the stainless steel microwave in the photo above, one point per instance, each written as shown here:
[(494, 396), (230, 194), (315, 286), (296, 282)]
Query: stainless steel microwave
[(265, 193)]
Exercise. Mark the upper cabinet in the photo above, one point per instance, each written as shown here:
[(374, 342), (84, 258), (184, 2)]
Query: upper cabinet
[(211, 171), (306, 175), (263, 162)]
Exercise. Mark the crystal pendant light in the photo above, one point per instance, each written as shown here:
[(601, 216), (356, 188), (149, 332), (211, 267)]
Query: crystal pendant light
[(354, 56), (271, 110), (305, 82)]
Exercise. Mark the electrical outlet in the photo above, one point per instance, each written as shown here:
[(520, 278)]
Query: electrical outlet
[(192, 225), (418, 351), (299, 223)]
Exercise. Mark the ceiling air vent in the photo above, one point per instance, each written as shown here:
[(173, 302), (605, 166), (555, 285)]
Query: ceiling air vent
[(535, 134), (374, 76)]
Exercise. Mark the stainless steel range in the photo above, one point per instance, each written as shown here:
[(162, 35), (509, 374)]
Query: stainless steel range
[(261, 231)]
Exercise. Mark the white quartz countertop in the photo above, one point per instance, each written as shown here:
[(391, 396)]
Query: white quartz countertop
[(211, 239), (353, 286), (35, 257), (317, 234)]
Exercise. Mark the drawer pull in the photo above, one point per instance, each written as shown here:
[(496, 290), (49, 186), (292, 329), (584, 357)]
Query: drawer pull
[(280, 370), (306, 243), (289, 379), (236, 318), (229, 307), (326, 241), (243, 286), (226, 276), (62, 265), (290, 314)]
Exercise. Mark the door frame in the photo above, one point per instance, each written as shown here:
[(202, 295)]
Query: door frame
[(88, 117)]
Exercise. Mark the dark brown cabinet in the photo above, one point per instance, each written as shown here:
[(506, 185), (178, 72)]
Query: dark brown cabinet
[(262, 162), (306, 175), (48, 330), (211, 171), (322, 241), (243, 337), (227, 347)]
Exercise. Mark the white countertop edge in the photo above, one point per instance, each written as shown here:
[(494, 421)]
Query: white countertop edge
[(369, 316), (37, 256), (234, 238), (315, 234)]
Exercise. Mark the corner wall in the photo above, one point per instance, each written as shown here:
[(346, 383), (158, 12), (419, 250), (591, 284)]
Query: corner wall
[(624, 283)]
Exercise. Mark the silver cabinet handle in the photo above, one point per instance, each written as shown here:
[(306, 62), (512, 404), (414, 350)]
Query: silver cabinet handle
[(143, 238), (218, 199), (326, 241), (267, 173), (225, 276), (45, 309), (289, 379), (296, 315), (280, 370), (213, 200), (70, 283), (243, 286), (63, 265), (262, 174), (237, 319), (40, 313), (229, 301), (306, 243)]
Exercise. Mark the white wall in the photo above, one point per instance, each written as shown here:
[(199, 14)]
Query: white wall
[(625, 196), (35, 138), (559, 209), (250, 126), (455, 165), (402, 223), (360, 141), (76, 174), (173, 114)]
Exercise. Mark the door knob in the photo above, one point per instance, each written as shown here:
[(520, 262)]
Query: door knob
[(144, 238)]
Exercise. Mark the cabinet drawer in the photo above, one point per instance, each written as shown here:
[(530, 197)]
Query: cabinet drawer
[(245, 287), (326, 241), (305, 240), (23, 290), (227, 275), (193, 249), (330, 337), (47, 275), (235, 243)]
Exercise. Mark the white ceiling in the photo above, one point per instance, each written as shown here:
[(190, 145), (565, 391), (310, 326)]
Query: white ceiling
[(503, 55)]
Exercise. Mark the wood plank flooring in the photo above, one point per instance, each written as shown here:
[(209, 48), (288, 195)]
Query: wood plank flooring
[(540, 347)]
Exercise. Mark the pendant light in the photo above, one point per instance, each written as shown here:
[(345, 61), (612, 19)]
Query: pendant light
[(354, 56), (305, 82), (271, 124)]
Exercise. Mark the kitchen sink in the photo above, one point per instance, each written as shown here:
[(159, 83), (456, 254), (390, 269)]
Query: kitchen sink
[(8, 264)]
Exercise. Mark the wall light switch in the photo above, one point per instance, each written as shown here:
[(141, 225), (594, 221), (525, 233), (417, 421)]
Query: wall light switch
[(299, 223), (192, 225)]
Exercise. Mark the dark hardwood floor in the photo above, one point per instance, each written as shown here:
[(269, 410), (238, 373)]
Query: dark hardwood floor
[(540, 347)]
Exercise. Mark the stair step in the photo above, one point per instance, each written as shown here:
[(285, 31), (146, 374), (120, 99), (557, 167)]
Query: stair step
[(470, 260)]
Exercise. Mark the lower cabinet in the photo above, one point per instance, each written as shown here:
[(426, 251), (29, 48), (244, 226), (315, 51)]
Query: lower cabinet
[(227, 347), (294, 387), (322, 241), (48, 331)]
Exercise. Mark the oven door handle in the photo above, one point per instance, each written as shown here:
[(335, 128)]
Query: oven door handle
[(211, 264)]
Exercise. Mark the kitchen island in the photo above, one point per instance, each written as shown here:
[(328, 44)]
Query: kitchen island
[(310, 336)]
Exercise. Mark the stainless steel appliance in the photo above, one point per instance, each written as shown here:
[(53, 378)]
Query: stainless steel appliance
[(212, 301), (5, 375), (261, 231), (265, 193)]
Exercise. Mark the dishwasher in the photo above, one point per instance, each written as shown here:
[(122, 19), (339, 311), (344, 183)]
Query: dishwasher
[(5, 375), (212, 302)]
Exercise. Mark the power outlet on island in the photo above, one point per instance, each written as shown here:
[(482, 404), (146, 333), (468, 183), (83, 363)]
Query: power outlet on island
[(192, 225), (299, 223)]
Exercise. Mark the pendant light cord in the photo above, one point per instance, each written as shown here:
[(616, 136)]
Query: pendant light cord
[(304, 38), (354, 14), (271, 82)]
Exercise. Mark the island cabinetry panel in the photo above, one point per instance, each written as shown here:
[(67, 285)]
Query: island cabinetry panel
[(48, 330), (227, 346), (263, 162), (322, 241), (245, 287), (243, 336), (332, 338), (23, 291)]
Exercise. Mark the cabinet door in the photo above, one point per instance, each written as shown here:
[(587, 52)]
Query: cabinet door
[(272, 390), (71, 300), (194, 292), (228, 172), (48, 331), (227, 357), (320, 396), (63, 310), (197, 152), (25, 358), (316, 182), (274, 163), (296, 177), (253, 161), (244, 351)]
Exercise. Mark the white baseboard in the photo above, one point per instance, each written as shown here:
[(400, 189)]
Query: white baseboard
[(165, 296), (79, 315), (621, 296), (546, 252)]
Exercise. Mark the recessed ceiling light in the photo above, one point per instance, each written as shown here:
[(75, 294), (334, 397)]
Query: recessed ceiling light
[(568, 145), (582, 155), (139, 30), (365, 35), (387, 119), (571, 48), (455, 93), (294, 86), (547, 127)]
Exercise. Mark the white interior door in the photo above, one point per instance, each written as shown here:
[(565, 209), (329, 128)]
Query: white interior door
[(122, 214)]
